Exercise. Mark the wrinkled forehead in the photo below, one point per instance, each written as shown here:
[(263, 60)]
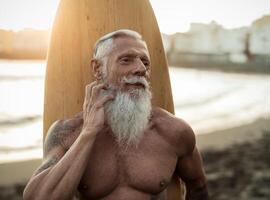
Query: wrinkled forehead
[(124, 45)]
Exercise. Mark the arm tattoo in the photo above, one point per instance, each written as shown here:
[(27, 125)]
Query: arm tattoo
[(56, 137), (50, 162)]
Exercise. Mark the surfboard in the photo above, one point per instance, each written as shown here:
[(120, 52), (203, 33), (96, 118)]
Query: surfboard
[(77, 26)]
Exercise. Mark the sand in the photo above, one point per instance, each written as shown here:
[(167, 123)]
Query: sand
[(17, 172), (222, 139), (241, 171)]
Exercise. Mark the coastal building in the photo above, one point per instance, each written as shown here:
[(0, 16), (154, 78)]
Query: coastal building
[(212, 41), (201, 38), (260, 36), (28, 43), (167, 42), (234, 43), (205, 38), (182, 43), (207, 42), (30, 40), (6, 38)]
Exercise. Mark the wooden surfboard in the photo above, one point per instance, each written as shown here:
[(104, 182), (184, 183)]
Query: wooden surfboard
[(77, 26)]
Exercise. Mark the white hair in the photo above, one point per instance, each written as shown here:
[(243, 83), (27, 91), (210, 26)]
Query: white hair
[(105, 43), (129, 113)]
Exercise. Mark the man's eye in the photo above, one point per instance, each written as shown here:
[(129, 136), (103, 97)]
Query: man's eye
[(125, 60), (145, 62)]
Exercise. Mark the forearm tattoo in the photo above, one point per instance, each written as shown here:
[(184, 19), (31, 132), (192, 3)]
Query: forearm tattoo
[(50, 162)]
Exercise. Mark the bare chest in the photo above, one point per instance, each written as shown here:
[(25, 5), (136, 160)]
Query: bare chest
[(147, 168)]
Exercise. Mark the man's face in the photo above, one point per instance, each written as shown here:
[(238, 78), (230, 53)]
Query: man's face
[(128, 58)]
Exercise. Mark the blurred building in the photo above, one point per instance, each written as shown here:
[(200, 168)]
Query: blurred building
[(167, 42), (203, 44), (30, 40), (6, 38), (25, 44), (205, 38), (260, 36), (212, 45), (234, 43), (212, 39), (201, 38)]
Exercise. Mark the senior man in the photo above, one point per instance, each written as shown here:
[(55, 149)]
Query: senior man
[(119, 147)]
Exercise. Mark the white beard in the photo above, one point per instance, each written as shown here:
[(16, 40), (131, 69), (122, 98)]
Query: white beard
[(128, 114)]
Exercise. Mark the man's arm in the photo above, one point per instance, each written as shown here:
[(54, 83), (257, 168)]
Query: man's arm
[(59, 175), (60, 172), (190, 169)]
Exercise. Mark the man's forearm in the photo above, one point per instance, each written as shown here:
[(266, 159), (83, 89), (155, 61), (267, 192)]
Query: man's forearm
[(71, 166), (56, 181)]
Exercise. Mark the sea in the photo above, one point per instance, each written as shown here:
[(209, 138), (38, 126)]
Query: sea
[(208, 100)]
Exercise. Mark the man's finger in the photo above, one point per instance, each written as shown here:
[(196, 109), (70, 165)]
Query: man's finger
[(88, 91), (104, 100), (97, 88)]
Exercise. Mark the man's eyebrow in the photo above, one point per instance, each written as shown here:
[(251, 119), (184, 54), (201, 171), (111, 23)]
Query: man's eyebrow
[(133, 54), (128, 54)]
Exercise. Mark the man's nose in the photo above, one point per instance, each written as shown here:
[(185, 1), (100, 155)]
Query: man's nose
[(140, 68)]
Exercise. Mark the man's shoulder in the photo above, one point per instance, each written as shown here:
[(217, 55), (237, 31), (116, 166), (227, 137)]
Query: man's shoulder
[(62, 133), (175, 130), (66, 125), (166, 119)]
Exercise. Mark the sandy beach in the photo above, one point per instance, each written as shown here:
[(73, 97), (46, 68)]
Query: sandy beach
[(218, 149), (220, 140), (241, 170)]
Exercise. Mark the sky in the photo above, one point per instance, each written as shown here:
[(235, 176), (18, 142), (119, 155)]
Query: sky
[(172, 15)]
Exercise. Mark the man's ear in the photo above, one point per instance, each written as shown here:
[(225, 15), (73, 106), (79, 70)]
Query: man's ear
[(96, 67)]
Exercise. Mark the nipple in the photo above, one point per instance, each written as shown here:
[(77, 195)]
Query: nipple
[(162, 183)]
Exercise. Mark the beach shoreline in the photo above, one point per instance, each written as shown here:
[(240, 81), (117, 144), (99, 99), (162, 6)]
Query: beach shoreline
[(222, 139), (17, 172)]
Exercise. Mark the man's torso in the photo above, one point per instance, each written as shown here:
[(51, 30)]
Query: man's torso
[(143, 172)]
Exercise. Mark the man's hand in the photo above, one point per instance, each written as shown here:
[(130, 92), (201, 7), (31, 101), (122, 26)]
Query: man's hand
[(93, 107)]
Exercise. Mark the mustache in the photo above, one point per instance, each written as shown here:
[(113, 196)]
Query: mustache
[(136, 80)]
